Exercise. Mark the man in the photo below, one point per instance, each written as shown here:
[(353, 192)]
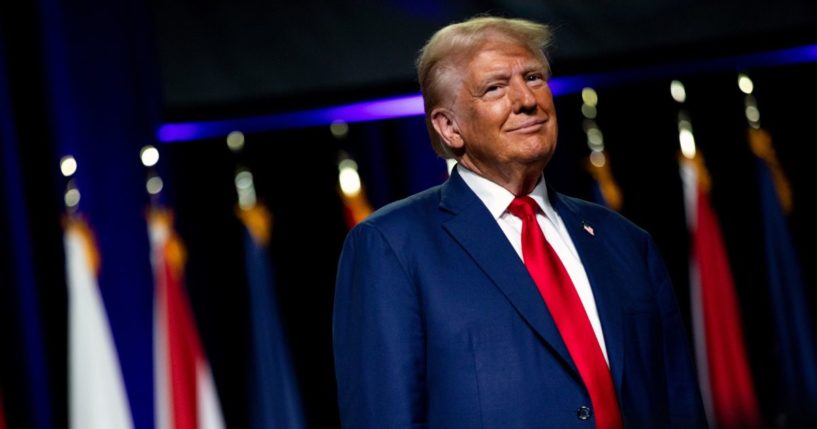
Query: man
[(493, 301)]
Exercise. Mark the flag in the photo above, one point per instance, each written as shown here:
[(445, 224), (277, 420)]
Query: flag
[(605, 189), (97, 396), (723, 367), (794, 331), (352, 193), (186, 396), (355, 208), (274, 396), (2, 413)]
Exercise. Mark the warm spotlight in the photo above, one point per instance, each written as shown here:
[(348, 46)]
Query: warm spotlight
[(595, 139), (752, 114), (68, 166), (589, 111), (235, 141), (149, 156), (678, 91), (154, 185), (687, 142), (590, 97), (72, 197), (245, 188), (745, 84), (339, 129), (597, 158), (348, 177)]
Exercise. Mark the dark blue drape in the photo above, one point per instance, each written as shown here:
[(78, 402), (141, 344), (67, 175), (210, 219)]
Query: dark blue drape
[(27, 348), (103, 98)]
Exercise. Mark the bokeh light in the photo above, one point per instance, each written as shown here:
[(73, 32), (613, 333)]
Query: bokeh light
[(339, 129), (68, 165), (678, 91), (745, 84), (590, 97), (348, 177), (149, 156), (154, 185), (687, 142), (235, 141)]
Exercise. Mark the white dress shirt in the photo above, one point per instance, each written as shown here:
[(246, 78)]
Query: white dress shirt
[(497, 199)]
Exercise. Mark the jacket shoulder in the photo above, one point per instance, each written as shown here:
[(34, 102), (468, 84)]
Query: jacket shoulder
[(412, 210)]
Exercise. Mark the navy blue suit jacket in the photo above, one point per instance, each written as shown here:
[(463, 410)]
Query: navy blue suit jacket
[(437, 323)]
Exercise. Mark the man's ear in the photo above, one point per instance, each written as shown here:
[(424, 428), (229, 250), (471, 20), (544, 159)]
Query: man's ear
[(445, 123)]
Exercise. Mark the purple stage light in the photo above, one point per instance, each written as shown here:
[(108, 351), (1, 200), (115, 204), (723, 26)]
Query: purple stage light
[(389, 108), (412, 105)]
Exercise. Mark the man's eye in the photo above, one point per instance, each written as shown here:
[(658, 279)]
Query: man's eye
[(534, 77), (492, 88)]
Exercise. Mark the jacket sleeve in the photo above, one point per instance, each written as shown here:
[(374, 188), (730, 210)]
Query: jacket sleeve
[(378, 336), (683, 393)]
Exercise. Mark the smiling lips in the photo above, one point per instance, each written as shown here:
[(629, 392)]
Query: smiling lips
[(530, 126)]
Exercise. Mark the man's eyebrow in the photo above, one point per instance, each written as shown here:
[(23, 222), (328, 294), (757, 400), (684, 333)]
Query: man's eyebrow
[(534, 67), (503, 74), (492, 76)]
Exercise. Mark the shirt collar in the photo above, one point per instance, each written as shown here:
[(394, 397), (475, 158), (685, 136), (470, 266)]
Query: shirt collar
[(497, 199)]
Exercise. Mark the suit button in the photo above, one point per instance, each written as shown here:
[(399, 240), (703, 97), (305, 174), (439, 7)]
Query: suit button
[(584, 413)]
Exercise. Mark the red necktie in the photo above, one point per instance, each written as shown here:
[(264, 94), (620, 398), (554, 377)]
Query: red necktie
[(563, 302)]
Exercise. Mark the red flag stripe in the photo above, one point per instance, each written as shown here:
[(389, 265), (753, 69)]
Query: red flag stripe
[(2, 413), (185, 391), (183, 351), (733, 393)]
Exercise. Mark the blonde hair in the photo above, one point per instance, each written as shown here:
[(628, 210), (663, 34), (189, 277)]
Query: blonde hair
[(442, 52)]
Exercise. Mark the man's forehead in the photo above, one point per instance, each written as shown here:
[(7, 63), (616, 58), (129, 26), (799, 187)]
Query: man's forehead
[(492, 58), (461, 73)]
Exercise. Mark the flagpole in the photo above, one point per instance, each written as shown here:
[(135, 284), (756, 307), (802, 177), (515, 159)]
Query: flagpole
[(185, 391), (795, 342), (724, 374), (275, 401), (598, 163), (97, 395)]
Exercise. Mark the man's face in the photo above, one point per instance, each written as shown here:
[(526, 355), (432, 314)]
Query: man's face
[(503, 111)]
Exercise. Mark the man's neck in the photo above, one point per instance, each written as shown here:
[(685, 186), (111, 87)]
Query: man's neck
[(518, 181)]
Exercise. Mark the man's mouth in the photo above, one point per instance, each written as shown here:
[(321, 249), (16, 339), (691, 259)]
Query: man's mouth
[(529, 126)]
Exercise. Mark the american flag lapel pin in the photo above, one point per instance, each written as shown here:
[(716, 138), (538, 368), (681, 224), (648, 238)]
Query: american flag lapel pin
[(588, 229)]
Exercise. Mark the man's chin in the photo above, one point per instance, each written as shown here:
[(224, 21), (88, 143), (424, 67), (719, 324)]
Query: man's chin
[(538, 151), (541, 158)]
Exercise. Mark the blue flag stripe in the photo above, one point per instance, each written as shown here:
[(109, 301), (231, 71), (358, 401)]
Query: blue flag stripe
[(275, 402), (793, 327)]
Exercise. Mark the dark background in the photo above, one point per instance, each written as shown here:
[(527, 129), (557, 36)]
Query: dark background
[(217, 53), (179, 60)]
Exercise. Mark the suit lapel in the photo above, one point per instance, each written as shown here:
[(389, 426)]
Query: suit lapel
[(603, 276), (473, 227)]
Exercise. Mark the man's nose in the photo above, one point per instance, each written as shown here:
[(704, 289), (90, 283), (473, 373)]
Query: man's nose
[(523, 96)]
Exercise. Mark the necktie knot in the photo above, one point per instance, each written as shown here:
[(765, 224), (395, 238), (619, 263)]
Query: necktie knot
[(523, 207)]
